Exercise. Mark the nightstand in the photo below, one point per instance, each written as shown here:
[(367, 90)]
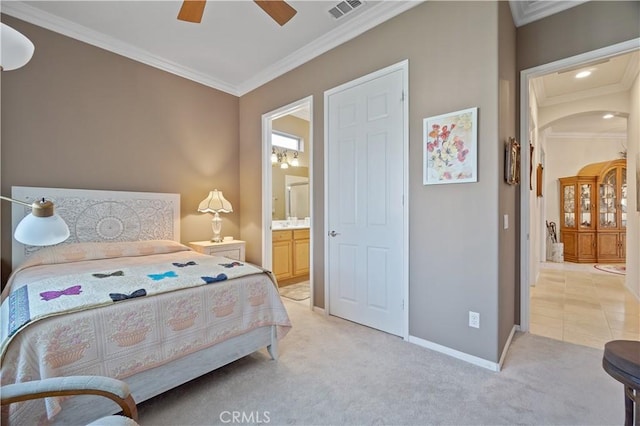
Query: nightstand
[(233, 249)]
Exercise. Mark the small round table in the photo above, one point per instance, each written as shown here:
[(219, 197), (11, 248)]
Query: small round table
[(622, 361)]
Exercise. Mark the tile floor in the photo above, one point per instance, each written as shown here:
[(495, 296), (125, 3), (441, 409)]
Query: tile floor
[(579, 304)]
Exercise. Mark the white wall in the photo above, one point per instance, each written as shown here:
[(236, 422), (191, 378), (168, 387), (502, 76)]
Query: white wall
[(633, 178), (565, 157), (536, 204)]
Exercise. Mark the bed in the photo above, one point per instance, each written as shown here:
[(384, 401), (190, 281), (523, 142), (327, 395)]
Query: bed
[(122, 298)]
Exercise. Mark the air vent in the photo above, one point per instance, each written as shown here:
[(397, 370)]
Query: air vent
[(344, 7)]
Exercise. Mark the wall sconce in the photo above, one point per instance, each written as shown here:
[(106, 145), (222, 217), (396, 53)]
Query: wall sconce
[(16, 49), (215, 203), (279, 156), (41, 227)]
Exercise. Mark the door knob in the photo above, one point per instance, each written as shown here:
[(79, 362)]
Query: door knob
[(333, 233)]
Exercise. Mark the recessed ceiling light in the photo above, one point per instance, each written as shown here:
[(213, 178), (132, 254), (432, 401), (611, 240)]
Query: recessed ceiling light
[(583, 74), (607, 116)]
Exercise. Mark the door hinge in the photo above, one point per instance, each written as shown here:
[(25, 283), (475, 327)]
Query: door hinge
[(403, 304), (403, 97)]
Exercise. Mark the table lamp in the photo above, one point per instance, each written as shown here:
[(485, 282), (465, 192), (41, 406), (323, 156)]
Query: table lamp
[(41, 227), (215, 203)]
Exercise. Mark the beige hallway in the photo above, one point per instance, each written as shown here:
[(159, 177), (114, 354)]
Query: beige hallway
[(579, 304)]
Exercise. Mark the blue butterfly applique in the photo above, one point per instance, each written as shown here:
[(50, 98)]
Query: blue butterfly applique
[(209, 280), (158, 277)]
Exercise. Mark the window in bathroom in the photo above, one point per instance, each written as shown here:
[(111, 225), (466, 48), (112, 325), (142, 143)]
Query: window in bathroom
[(286, 141)]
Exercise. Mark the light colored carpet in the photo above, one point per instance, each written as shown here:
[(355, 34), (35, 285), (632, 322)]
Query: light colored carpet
[(299, 291), (334, 372), (620, 269)]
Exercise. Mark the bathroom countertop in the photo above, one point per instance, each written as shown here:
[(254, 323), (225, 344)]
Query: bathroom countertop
[(284, 228)]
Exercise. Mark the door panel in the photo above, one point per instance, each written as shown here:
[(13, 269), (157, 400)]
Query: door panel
[(364, 196)]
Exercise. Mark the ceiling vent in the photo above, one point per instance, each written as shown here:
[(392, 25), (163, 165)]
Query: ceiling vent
[(344, 7)]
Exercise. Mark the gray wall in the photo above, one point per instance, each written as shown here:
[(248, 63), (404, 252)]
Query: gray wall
[(452, 48), (77, 116), (583, 28), (509, 254)]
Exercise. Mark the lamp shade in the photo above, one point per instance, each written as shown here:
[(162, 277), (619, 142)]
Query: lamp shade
[(41, 231), (15, 49), (215, 203)]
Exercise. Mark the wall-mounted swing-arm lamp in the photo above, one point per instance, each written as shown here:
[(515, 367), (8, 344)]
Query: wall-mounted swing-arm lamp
[(41, 227)]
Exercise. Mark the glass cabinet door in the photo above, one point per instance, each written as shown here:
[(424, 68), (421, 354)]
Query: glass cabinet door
[(569, 202), (585, 205), (623, 199), (607, 209)]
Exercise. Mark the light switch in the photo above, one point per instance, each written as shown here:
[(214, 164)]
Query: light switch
[(505, 221)]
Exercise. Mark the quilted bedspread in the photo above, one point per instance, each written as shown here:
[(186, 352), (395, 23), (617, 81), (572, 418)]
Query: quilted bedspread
[(118, 316)]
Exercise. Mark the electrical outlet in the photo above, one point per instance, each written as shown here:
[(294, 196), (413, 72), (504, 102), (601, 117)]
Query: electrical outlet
[(474, 319)]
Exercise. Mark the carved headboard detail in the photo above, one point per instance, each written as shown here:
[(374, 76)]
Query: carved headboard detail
[(95, 216)]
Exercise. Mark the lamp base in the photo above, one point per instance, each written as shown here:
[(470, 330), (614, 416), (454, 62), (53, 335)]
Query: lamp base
[(216, 225)]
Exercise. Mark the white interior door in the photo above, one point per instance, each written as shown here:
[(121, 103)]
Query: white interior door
[(365, 186)]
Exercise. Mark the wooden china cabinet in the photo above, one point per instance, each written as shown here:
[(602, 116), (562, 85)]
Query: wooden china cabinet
[(593, 213)]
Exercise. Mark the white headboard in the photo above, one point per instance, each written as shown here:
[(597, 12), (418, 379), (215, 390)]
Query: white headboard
[(102, 215)]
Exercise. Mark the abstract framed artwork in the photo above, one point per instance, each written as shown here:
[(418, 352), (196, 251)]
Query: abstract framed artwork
[(450, 147)]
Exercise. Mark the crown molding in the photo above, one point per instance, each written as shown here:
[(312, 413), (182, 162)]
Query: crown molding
[(363, 21), (585, 135), (360, 23), (525, 12), (78, 32), (585, 94)]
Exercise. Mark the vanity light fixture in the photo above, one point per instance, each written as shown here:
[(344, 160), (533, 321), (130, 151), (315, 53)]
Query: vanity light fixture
[(294, 161), (279, 156)]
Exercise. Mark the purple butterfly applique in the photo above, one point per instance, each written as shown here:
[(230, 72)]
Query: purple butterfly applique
[(54, 294)]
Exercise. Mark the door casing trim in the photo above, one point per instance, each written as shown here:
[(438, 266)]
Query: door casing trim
[(267, 191)]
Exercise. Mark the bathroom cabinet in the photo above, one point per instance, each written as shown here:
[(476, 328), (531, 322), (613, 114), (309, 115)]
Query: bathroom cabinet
[(290, 253)]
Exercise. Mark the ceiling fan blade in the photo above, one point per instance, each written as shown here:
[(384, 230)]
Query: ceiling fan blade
[(279, 10), (192, 10)]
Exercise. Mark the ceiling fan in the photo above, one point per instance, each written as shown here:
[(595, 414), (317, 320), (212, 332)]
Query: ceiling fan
[(279, 10)]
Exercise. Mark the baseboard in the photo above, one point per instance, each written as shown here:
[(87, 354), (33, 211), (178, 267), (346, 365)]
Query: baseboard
[(506, 346), (317, 309), (481, 362)]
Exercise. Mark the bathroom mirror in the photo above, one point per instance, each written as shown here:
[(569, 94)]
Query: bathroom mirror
[(296, 196)]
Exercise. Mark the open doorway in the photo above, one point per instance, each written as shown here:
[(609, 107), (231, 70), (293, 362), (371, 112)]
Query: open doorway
[(570, 135), (287, 137)]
